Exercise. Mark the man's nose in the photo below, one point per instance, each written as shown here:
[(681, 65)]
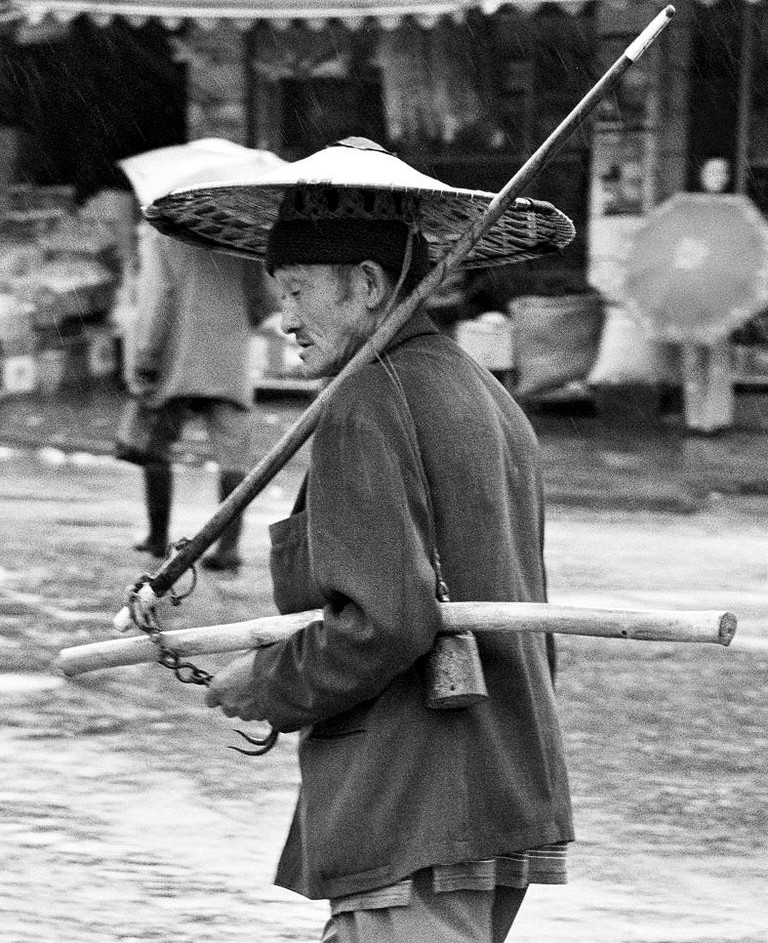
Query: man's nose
[(289, 322)]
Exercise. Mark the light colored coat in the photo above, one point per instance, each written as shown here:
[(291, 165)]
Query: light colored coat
[(192, 327), (388, 785)]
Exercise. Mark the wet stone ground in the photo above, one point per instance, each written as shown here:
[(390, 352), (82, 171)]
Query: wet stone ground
[(127, 820), (124, 817)]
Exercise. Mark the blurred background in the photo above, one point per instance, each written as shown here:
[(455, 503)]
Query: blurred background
[(640, 354), (461, 89)]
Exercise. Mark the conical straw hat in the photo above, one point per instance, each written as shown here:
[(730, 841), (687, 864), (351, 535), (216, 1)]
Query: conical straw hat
[(234, 215)]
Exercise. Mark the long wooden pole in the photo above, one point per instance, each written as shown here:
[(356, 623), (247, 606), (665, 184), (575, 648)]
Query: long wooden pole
[(655, 625), (291, 442)]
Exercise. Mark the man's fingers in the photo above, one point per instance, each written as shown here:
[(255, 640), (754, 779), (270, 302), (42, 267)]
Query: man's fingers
[(231, 690), (229, 709), (211, 698)]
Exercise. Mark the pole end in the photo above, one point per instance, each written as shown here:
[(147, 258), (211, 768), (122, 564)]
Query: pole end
[(60, 665), (123, 621), (649, 34), (727, 628)]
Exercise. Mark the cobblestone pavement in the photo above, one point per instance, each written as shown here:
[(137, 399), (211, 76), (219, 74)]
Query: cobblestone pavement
[(125, 818)]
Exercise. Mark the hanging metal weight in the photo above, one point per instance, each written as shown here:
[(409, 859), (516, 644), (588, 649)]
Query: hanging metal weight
[(454, 673)]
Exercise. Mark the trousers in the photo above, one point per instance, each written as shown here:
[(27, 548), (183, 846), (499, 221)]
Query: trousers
[(146, 434), (431, 917)]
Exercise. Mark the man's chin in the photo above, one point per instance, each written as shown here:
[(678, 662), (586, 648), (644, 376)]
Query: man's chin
[(313, 371), (315, 368)]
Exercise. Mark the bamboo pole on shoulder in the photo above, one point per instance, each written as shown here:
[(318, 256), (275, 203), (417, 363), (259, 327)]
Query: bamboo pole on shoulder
[(651, 625), (291, 442)]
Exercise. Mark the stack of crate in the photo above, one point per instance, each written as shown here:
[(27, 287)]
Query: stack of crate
[(17, 347), (59, 265)]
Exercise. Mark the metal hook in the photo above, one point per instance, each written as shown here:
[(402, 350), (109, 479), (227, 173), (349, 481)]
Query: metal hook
[(176, 597), (262, 746)]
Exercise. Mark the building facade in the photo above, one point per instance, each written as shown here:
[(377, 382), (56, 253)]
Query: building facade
[(463, 89)]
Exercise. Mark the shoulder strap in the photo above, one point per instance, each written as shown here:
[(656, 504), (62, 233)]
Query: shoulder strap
[(441, 587)]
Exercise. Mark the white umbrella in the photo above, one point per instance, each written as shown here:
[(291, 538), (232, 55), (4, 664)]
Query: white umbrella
[(153, 174)]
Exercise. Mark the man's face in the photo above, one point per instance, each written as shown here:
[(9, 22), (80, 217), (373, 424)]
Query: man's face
[(326, 312)]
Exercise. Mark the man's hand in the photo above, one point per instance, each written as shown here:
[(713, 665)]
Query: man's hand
[(232, 689)]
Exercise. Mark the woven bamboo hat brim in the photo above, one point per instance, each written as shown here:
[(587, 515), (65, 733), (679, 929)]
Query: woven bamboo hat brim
[(235, 216)]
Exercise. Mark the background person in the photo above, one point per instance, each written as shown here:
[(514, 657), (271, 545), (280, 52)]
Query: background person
[(187, 347), (709, 401), (189, 357)]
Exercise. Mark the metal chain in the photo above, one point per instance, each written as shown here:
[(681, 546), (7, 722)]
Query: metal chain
[(146, 620)]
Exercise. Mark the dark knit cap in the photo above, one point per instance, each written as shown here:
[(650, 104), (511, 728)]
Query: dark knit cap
[(344, 241), (339, 226)]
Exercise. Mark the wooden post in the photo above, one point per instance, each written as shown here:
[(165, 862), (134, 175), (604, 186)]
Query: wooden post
[(249, 87), (746, 60)]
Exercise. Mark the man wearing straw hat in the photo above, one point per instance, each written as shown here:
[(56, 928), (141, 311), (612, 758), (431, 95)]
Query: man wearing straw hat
[(417, 824)]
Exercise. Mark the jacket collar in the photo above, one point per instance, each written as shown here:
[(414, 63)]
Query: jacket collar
[(419, 324)]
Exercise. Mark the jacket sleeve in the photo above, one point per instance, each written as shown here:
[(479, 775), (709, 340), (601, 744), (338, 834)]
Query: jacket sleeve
[(370, 552), (154, 301)]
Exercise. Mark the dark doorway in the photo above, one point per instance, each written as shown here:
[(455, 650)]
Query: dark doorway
[(100, 94), (318, 111)]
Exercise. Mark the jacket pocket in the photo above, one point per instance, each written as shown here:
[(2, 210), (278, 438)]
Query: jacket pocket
[(294, 589), (347, 724)]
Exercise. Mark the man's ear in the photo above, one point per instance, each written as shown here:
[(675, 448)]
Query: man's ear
[(375, 283)]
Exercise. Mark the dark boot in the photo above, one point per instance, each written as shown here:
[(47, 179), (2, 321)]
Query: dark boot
[(225, 557), (158, 489)]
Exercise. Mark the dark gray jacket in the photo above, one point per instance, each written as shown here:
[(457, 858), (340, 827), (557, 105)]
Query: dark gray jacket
[(388, 785)]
